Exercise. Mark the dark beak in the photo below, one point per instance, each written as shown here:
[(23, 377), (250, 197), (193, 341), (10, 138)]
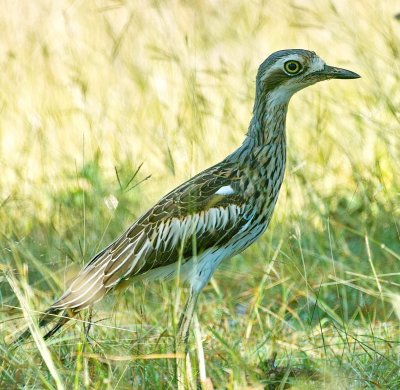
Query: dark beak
[(330, 72)]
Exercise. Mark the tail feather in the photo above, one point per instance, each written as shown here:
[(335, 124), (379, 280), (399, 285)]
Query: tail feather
[(86, 289), (51, 315), (60, 323)]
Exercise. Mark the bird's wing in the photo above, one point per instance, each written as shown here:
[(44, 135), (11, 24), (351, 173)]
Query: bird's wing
[(204, 212)]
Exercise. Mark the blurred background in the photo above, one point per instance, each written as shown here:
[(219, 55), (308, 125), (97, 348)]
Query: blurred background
[(107, 105)]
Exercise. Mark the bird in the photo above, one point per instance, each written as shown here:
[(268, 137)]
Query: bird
[(211, 217)]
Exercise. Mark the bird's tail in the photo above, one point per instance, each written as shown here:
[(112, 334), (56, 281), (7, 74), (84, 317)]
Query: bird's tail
[(86, 289), (82, 293), (57, 315)]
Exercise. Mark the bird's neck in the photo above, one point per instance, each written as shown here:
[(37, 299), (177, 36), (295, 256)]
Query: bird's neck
[(267, 126), (269, 120)]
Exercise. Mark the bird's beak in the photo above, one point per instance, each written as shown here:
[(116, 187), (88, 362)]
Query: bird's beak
[(331, 72)]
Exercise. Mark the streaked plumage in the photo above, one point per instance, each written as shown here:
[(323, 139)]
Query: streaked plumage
[(212, 216)]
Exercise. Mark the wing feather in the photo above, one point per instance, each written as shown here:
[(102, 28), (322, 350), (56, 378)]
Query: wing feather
[(191, 219)]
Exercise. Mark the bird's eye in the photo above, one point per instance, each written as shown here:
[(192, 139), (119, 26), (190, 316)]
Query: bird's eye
[(292, 67)]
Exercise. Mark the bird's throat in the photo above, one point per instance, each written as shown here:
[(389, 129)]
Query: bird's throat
[(267, 128), (269, 120)]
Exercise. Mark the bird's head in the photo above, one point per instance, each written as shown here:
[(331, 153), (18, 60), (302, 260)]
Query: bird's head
[(286, 72)]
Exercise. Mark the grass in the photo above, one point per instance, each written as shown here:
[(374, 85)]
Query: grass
[(97, 96)]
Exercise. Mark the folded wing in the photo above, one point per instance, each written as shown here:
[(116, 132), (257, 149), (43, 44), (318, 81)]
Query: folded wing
[(204, 212)]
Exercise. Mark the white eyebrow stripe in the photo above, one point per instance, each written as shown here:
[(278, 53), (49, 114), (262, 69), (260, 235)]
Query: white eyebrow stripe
[(225, 190), (315, 64), (279, 63)]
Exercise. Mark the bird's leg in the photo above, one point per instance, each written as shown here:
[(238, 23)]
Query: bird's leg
[(184, 371), (87, 325), (186, 318)]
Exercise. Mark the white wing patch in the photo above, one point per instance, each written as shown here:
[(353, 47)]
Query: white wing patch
[(225, 190)]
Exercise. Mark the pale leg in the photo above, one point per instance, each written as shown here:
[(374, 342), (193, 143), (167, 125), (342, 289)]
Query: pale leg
[(183, 368), (186, 317)]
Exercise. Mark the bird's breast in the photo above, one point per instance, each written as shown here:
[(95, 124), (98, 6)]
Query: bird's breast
[(263, 175)]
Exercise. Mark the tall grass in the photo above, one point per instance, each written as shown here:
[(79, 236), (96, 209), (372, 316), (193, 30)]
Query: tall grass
[(97, 96)]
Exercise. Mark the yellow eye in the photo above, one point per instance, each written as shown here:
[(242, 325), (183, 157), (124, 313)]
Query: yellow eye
[(292, 67)]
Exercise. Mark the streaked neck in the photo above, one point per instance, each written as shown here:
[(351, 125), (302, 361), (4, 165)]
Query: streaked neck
[(269, 118), (267, 125)]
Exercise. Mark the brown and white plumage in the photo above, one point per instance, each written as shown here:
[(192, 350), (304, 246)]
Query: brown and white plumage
[(163, 235), (212, 216)]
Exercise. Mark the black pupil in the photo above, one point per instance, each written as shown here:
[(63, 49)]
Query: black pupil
[(292, 66)]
